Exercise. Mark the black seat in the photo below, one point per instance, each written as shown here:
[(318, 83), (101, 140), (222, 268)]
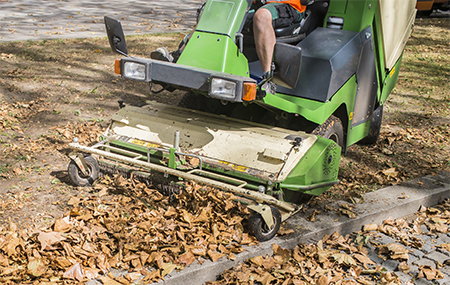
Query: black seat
[(314, 17), (287, 31)]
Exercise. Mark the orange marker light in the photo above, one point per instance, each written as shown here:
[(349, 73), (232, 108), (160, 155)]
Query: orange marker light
[(117, 67), (249, 91)]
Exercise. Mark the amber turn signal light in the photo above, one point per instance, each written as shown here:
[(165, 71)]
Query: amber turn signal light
[(117, 67), (249, 91)]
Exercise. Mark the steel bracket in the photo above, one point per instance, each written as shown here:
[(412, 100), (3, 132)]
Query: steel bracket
[(264, 211), (78, 158)]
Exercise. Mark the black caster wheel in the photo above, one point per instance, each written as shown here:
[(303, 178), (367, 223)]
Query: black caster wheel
[(260, 230), (80, 179)]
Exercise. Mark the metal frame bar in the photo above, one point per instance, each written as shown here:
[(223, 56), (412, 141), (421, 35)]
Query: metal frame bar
[(253, 195)]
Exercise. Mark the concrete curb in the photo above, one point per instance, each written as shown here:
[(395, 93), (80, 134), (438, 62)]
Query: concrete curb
[(391, 202)]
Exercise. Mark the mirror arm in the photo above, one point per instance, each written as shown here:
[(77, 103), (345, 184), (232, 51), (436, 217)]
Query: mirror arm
[(116, 41)]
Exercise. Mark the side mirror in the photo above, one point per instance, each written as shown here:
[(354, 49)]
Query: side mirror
[(116, 36), (288, 61)]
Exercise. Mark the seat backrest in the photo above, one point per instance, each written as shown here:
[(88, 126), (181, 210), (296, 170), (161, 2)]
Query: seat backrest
[(314, 17), (318, 10)]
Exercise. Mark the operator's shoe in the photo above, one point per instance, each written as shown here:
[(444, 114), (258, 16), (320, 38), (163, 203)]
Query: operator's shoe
[(176, 55), (269, 86), (161, 54)]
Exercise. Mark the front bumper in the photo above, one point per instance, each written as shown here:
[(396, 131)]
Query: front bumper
[(183, 76)]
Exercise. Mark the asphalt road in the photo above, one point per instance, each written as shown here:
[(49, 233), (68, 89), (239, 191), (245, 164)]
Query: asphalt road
[(48, 19)]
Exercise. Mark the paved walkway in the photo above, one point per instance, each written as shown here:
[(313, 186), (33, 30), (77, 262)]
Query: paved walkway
[(432, 257), (47, 19)]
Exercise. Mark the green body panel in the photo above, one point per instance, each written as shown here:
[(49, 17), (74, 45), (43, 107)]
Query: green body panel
[(315, 111), (337, 7), (317, 166), (390, 81), (358, 14), (214, 52), (212, 45), (223, 17), (386, 78), (379, 54), (361, 16), (155, 156), (356, 133)]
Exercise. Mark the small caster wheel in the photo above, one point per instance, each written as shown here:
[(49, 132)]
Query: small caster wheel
[(80, 179), (259, 228)]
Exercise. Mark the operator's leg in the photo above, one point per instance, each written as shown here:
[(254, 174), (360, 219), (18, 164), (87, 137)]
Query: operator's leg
[(264, 37)]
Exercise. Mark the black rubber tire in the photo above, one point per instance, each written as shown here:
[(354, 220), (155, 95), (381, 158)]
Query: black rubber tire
[(332, 129), (375, 127), (78, 178), (259, 229)]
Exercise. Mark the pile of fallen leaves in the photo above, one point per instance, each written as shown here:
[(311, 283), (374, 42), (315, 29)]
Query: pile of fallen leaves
[(333, 260), (104, 231), (345, 260), (87, 133)]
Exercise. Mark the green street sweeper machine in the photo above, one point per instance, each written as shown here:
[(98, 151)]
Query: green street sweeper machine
[(334, 71)]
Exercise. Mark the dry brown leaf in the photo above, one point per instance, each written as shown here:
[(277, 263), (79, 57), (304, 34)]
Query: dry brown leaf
[(344, 259), (36, 267), (391, 172), (403, 267), (370, 227), (266, 278), (284, 231), (198, 250), (74, 272), (214, 255), (396, 251), (284, 253), (62, 225), (442, 245), (133, 276), (363, 259), (167, 269), (257, 260), (10, 244), (3, 261), (73, 201), (49, 239), (109, 281), (153, 276), (91, 273), (186, 258), (429, 273)]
